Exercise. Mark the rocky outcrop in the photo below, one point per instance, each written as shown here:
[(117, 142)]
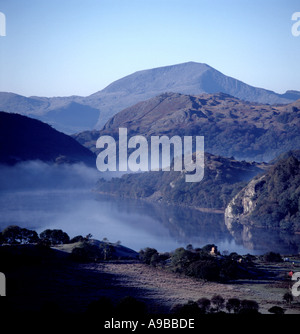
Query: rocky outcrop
[(239, 209), (269, 202)]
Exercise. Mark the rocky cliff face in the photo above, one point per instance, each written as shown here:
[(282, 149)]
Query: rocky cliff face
[(269, 201), (242, 225), (239, 209)]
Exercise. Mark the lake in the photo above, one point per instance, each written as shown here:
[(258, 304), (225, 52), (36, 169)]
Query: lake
[(137, 224)]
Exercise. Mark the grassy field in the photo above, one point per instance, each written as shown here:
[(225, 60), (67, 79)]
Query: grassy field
[(50, 280)]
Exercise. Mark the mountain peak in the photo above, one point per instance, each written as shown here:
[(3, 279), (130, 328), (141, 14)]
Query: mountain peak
[(166, 78), (191, 78)]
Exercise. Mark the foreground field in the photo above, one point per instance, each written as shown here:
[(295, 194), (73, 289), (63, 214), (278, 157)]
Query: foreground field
[(163, 289), (58, 284)]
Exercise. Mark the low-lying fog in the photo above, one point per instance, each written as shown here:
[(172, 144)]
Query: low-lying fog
[(32, 175), (38, 196)]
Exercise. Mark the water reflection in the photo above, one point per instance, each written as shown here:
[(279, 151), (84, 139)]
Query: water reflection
[(186, 225), (266, 240), (175, 226), (137, 224)]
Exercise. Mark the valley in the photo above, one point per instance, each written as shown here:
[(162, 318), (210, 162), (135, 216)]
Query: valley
[(249, 195)]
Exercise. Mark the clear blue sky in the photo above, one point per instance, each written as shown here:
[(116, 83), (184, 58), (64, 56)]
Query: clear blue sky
[(77, 47)]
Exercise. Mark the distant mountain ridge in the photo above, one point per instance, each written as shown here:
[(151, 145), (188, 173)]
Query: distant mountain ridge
[(187, 78), (231, 127)]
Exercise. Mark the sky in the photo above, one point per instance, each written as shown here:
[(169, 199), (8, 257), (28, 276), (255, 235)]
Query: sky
[(78, 47)]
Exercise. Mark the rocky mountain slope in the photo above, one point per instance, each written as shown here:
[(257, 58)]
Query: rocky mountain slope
[(223, 178), (231, 127), (270, 200), (96, 109), (23, 138)]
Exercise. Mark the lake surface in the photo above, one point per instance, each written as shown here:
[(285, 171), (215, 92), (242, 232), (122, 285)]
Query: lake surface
[(137, 224)]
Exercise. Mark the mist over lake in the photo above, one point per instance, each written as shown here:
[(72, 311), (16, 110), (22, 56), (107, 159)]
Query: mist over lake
[(38, 196)]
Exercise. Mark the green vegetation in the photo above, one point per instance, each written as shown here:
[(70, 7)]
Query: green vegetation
[(128, 306), (88, 252), (271, 200), (217, 305), (223, 179), (278, 197), (19, 253), (204, 263), (231, 127), (272, 257), (276, 310), (81, 249), (54, 237), (15, 235)]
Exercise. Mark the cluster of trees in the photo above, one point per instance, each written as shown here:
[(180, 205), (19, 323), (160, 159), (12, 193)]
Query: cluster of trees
[(217, 304), (202, 263), (14, 235), (86, 252), (83, 252), (129, 306)]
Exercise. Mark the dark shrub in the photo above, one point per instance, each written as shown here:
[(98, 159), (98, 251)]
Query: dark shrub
[(233, 304), (249, 307), (182, 258), (204, 304), (272, 257), (147, 255), (276, 310), (218, 301), (80, 254), (55, 237), (204, 269), (16, 235), (78, 238), (229, 269)]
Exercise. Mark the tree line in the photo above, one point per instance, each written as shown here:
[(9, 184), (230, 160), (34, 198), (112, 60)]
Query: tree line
[(16, 235)]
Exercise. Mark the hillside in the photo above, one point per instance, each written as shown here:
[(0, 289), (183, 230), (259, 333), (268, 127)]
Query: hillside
[(23, 138), (270, 200), (95, 110), (231, 127), (187, 78), (47, 281), (223, 179)]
